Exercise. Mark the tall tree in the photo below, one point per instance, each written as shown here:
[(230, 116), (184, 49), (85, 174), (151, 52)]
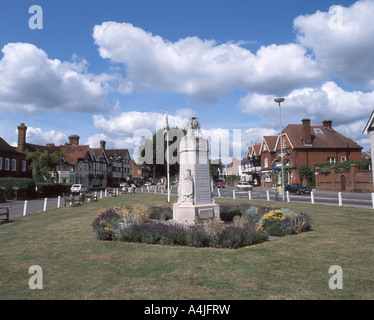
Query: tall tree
[(44, 165), (153, 152)]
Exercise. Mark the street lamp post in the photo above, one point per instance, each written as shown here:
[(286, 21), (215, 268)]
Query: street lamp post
[(279, 101)]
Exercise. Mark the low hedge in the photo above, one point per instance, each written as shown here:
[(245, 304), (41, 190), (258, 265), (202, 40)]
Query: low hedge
[(51, 190), (27, 185)]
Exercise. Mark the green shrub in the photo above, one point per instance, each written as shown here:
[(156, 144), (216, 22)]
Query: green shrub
[(228, 212), (25, 184), (105, 222), (284, 222), (51, 190), (160, 213)]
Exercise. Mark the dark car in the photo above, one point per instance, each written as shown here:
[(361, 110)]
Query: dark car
[(297, 188), (220, 185)]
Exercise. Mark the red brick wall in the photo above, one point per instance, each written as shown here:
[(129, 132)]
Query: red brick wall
[(314, 156), (353, 181)]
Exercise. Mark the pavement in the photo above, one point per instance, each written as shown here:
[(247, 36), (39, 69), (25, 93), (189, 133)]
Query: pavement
[(363, 200)]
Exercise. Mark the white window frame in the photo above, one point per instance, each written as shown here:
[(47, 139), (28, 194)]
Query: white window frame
[(266, 162), (284, 144), (343, 159), (331, 160), (24, 165), (7, 164), (1, 163)]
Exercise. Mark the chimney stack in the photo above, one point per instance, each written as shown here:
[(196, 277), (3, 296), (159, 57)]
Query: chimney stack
[(102, 144), (21, 137), (307, 136), (74, 140), (327, 124)]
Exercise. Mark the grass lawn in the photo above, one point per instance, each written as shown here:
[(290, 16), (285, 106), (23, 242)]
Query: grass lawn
[(77, 266)]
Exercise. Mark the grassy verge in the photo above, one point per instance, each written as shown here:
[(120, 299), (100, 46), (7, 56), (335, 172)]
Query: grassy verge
[(77, 266)]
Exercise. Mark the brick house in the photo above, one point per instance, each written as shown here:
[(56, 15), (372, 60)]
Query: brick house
[(12, 163), (306, 144), (267, 153), (92, 167)]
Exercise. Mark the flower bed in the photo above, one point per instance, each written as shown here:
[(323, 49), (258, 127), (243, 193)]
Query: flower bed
[(249, 226)]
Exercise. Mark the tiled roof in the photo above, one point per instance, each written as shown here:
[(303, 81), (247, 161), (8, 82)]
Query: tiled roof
[(34, 147), (270, 142), (256, 149), (329, 139), (72, 153), (4, 146)]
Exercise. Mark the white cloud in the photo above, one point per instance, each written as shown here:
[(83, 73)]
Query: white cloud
[(126, 123), (31, 82), (40, 137), (342, 40), (328, 101), (202, 69)]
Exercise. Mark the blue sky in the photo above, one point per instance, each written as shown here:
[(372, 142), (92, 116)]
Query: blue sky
[(105, 69)]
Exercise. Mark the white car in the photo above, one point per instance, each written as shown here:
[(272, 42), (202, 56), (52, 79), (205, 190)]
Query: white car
[(244, 186), (124, 185), (148, 184), (78, 188)]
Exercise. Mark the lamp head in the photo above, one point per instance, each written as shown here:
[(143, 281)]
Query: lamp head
[(279, 100)]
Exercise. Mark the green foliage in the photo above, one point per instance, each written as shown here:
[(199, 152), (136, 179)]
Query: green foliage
[(340, 166), (160, 213), (45, 165), (51, 190), (20, 183), (308, 175)]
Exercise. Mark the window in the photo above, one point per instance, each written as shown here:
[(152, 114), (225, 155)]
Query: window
[(318, 131), (284, 145), (331, 159), (343, 159), (7, 164), (23, 166), (266, 162), (14, 164), (85, 167), (1, 163)]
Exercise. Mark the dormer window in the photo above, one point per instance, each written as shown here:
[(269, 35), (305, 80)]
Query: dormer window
[(318, 131)]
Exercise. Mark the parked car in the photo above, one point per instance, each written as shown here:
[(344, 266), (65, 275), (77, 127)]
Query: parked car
[(244, 186), (124, 184), (297, 188), (220, 185), (78, 188), (148, 184)]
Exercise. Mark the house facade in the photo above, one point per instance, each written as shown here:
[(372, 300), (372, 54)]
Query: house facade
[(251, 166), (91, 167), (119, 166), (304, 144), (12, 163), (369, 129)]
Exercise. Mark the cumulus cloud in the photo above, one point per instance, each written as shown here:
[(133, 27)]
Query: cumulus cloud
[(342, 41), (32, 82), (202, 69), (40, 137), (328, 101)]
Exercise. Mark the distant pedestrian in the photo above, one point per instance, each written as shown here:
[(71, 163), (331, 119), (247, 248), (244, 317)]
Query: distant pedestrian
[(133, 189)]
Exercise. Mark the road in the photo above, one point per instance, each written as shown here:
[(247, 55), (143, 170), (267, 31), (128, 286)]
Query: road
[(362, 200)]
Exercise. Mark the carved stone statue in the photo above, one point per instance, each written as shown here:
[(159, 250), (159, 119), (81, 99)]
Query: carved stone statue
[(188, 188), (192, 126)]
